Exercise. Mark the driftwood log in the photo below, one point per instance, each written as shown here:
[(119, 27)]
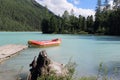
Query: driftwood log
[(43, 66)]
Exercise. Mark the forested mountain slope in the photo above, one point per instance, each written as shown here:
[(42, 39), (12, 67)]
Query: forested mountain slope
[(21, 15)]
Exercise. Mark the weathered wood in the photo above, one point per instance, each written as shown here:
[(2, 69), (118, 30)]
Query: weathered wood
[(8, 51), (43, 66)]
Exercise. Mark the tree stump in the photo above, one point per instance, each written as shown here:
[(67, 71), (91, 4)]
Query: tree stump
[(43, 66)]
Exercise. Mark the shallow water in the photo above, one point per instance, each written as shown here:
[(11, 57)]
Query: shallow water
[(87, 51)]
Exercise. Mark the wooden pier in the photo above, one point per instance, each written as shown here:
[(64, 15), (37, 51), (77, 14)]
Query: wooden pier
[(8, 51)]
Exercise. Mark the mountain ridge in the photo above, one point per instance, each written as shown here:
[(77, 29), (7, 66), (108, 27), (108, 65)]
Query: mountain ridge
[(21, 15)]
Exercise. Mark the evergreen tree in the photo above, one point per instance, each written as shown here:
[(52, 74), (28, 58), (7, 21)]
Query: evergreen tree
[(84, 26), (90, 24), (45, 26), (66, 19), (53, 27), (97, 23), (114, 25), (21, 15), (65, 15), (98, 6), (80, 19)]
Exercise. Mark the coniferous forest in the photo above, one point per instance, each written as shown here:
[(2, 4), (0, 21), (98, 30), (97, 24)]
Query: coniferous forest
[(28, 15), (21, 15)]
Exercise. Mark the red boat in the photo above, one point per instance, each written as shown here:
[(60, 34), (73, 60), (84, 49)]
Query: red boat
[(44, 43)]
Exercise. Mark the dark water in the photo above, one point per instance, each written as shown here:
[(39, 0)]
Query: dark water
[(87, 51)]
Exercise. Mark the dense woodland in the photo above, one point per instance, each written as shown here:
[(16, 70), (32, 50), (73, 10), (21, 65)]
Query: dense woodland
[(106, 22), (21, 15), (68, 23), (28, 15)]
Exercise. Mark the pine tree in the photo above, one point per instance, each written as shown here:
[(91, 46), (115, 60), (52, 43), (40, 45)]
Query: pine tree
[(98, 6), (66, 15), (80, 22), (90, 24)]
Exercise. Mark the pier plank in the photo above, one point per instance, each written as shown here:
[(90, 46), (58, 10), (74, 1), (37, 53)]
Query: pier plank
[(8, 51)]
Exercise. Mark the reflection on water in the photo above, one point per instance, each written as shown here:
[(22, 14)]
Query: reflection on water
[(87, 51)]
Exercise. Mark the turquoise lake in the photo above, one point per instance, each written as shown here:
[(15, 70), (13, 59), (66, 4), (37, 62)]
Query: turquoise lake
[(88, 51)]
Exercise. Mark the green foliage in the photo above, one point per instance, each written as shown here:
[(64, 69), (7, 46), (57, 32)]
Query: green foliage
[(114, 24), (45, 26), (71, 69), (88, 78), (102, 74), (90, 24), (107, 21), (65, 15), (50, 25), (28, 15), (21, 15), (67, 24)]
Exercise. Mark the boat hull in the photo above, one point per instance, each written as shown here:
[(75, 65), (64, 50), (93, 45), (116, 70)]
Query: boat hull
[(42, 44)]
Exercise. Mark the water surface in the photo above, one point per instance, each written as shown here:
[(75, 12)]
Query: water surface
[(87, 51)]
